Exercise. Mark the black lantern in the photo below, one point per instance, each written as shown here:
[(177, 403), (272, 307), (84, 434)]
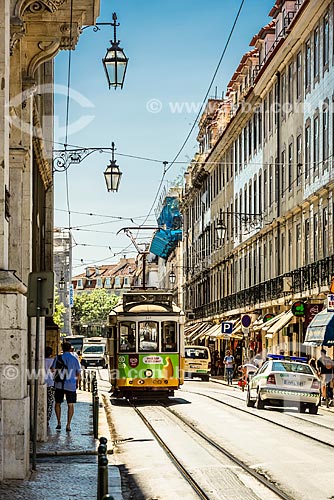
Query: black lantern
[(62, 283), (112, 174), (115, 61), (221, 228), (172, 277)]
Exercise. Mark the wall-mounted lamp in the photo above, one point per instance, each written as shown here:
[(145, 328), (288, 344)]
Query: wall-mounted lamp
[(172, 276), (220, 227), (64, 158), (115, 61), (249, 221), (62, 284)]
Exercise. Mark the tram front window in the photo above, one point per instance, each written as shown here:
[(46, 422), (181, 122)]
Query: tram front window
[(148, 336), (169, 343), (127, 336)]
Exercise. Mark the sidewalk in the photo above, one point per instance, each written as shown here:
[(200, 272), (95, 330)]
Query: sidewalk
[(67, 463)]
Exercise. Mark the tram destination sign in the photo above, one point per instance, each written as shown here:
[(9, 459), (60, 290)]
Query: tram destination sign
[(151, 297)]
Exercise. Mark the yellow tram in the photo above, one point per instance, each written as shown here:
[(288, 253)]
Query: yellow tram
[(146, 345)]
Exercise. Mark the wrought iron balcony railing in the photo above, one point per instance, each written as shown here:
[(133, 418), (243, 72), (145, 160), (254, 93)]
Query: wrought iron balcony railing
[(304, 279)]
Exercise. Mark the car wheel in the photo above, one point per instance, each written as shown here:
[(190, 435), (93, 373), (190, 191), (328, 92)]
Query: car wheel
[(259, 402), (205, 378), (249, 402), (313, 409)]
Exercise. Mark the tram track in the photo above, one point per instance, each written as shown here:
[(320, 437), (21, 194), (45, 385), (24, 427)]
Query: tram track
[(299, 417), (196, 487), (262, 417), (264, 481)]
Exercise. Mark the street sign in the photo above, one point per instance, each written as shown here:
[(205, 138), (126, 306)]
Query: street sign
[(227, 327), (298, 308), (71, 295), (246, 320), (41, 294), (330, 302)]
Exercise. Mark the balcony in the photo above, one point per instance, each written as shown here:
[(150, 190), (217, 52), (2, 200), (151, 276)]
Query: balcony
[(318, 274)]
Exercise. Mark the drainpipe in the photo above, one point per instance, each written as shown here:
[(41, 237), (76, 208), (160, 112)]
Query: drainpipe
[(278, 113)]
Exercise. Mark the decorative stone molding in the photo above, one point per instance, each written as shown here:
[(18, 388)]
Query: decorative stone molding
[(70, 36), (43, 164), (9, 283), (37, 6), (46, 51), (17, 31)]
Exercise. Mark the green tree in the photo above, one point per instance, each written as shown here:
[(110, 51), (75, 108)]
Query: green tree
[(60, 309), (93, 308)]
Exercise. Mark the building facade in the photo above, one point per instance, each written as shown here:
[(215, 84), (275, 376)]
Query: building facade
[(265, 173), (62, 266), (31, 34)]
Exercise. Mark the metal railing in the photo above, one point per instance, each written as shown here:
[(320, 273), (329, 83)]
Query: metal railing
[(304, 279)]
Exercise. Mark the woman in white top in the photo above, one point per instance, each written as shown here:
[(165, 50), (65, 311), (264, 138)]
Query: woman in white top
[(49, 381)]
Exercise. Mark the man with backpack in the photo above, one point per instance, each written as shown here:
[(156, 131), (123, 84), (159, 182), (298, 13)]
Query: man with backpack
[(67, 370)]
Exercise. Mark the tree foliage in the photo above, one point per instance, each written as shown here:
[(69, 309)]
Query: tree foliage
[(94, 307), (60, 309)]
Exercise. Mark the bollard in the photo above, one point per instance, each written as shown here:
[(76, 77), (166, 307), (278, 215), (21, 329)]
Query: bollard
[(96, 405), (102, 473), (84, 379)]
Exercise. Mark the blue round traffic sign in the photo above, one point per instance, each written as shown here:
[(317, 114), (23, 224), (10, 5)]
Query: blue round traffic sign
[(246, 321)]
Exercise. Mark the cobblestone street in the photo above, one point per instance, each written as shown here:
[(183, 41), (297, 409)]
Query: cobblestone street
[(66, 463)]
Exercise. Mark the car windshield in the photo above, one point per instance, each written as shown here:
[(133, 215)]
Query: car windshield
[(93, 349), (196, 353), (281, 366)]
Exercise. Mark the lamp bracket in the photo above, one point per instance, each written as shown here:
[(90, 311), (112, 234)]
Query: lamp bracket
[(64, 158)]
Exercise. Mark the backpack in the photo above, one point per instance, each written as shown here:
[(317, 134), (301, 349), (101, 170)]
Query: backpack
[(60, 370)]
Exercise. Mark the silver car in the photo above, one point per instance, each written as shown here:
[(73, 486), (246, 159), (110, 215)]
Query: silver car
[(284, 381)]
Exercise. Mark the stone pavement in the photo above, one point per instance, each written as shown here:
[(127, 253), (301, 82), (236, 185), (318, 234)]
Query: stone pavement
[(67, 463)]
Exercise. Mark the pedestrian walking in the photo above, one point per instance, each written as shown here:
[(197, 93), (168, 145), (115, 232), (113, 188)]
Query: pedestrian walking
[(229, 367), (325, 367), (67, 375), (48, 378)]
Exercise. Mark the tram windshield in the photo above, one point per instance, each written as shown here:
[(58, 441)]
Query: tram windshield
[(148, 335), (169, 339), (127, 336)]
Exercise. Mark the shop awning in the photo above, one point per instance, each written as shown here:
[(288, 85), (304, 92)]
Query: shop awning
[(321, 330), (203, 332), (213, 332), (196, 331), (272, 321), (281, 323), (257, 325)]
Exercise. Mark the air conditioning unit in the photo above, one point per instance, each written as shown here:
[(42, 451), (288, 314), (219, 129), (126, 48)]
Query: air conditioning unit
[(287, 284)]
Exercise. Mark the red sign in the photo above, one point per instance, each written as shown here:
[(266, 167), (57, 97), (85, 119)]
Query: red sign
[(311, 310), (133, 360)]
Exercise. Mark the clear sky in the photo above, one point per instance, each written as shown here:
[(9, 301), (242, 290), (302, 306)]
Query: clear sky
[(173, 49)]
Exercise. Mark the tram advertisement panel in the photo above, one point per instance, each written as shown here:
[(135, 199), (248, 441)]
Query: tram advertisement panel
[(150, 370)]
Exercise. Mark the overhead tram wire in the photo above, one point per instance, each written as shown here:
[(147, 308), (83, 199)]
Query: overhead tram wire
[(202, 105)]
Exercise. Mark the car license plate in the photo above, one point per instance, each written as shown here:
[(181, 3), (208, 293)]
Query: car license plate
[(293, 382)]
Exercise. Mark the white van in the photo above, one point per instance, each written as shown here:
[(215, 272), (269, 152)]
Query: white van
[(197, 361), (94, 352)]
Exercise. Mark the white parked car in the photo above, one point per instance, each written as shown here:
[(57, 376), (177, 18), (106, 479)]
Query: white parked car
[(284, 381)]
